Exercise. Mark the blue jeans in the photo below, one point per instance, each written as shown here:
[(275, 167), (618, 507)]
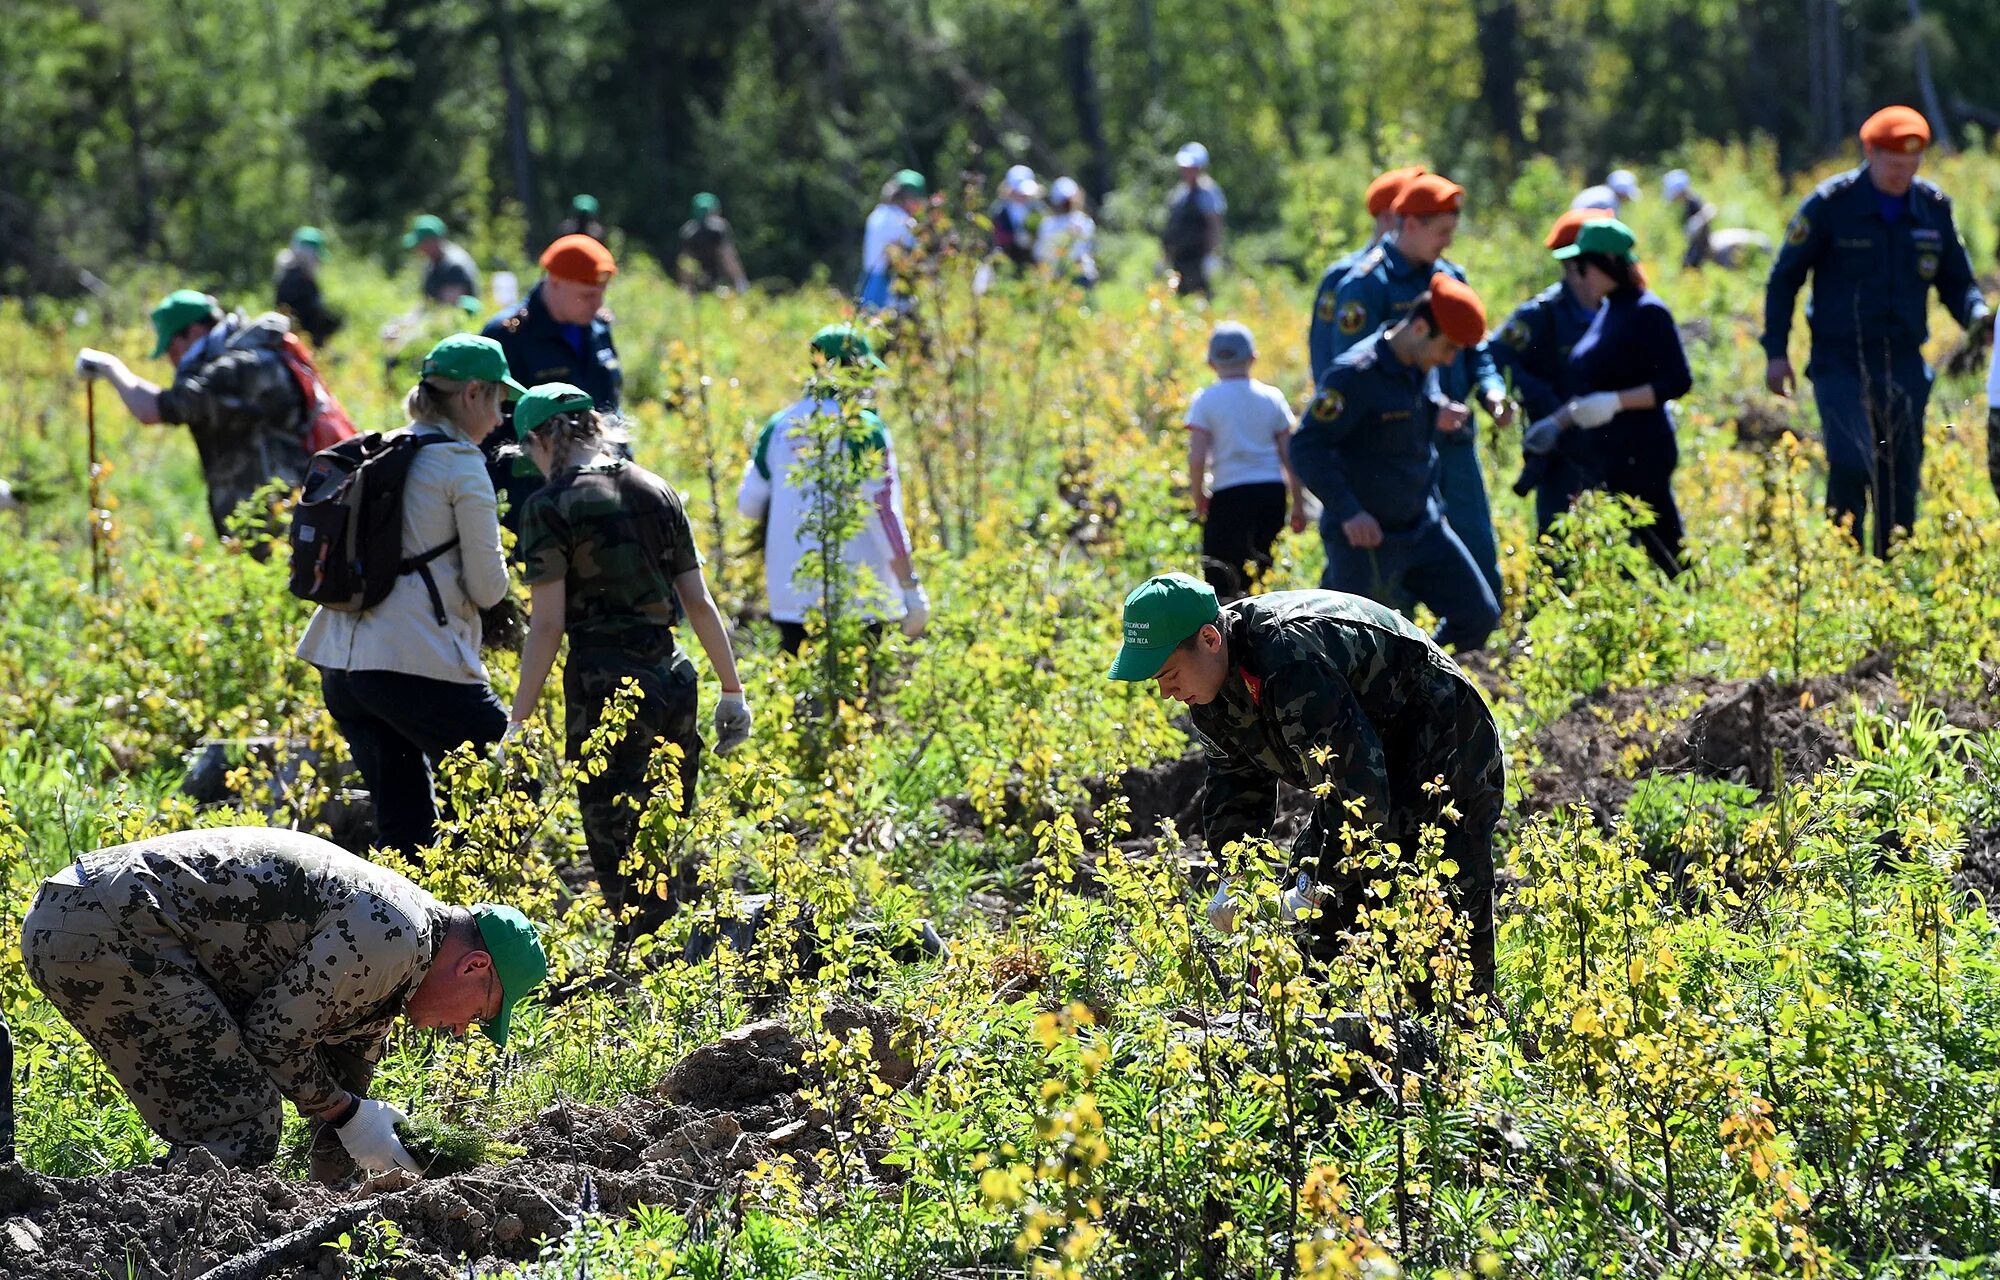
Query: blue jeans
[(397, 728), (1871, 414), (1427, 565), (1463, 488)]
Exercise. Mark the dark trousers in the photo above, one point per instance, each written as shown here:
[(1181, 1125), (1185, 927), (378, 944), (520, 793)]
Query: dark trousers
[(792, 635), (1662, 538), (1193, 275), (612, 802), (397, 728), (1243, 522), (1871, 413), (1426, 565)]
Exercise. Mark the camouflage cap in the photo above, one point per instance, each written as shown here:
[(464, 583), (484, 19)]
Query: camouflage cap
[(545, 402), (179, 310), (1159, 614), (518, 959)]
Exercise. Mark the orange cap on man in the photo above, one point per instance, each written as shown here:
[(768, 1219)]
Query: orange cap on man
[(1387, 186), (579, 260), (1562, 233), (1901, 129), (1427, 194), (1460, 315)]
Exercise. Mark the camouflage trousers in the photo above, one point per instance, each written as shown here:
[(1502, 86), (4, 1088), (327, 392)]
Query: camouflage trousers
[(170, 1040), (611, 802), (1477, 777)]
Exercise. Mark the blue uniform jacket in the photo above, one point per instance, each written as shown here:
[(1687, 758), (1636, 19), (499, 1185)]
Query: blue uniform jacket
[(1378, 291), (1319, 335), (1369, 440), (539, 351), (1533, 347), (1871, 276), (1631, 342)]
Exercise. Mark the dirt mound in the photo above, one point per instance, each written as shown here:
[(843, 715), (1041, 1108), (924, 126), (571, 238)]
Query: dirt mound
[(718, 1113), (1757, 732)]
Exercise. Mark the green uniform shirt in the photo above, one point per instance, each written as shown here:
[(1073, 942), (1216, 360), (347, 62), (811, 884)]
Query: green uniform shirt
[(618, 536)]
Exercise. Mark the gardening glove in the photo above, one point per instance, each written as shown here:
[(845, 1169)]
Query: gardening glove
[(1222, 910), (1302, 894), (732, 722), (92, 363), (918, 610), (1541, 435), (370, 1137), (1594, 410)]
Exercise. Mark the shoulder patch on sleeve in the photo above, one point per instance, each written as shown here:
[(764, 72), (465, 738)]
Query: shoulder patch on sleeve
[(1353, 317), (1326, 306), (1799, 230), (1514, 334), (1328, 405)]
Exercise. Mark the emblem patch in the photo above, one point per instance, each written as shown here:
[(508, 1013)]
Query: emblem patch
[(1927, 265), (1328, 405), (1325, 308), (1515, 334), (1352, 317), (1796, 233)]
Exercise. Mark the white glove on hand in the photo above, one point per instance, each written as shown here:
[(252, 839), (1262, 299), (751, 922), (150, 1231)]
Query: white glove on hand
[(919, 610), (732, 722), (1541, 435), (1594, 410), (370, 1137), (92, 363), (1222, 910), (1302, 894)]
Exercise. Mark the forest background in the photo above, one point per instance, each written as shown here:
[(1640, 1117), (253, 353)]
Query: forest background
[(356, 114)]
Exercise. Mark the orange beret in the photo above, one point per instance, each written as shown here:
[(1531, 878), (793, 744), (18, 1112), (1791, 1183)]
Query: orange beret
[(1387, 186), (1897, 129), (1460, 315), (1563, 233), (1427, 194), (579, 260)]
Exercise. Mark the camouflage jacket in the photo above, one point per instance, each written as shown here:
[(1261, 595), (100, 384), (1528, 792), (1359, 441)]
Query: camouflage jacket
[(243, 405), (618, 536), (308, 945), (1346, 700)]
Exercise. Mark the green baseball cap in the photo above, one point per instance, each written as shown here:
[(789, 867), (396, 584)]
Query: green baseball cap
[(545, 402), (518, 959), (1607, 236), (177, 311), (845, 344), (704, 203), (427, 227), (912, 179), (1159, 614), (312, 238), (469, 357), (583, 202)]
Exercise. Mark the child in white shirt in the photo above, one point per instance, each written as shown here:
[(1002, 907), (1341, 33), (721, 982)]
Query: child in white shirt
[(1239, 465)]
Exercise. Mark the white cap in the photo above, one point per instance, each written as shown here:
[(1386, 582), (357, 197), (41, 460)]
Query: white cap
[(1019, 173), (1064, 189), (1027, 188), (1625, 183), (1675, 184), (1192, 156)]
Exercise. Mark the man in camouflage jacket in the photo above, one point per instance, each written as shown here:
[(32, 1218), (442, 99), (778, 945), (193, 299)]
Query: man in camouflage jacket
[(218, 972), (232, 389), (1348, 702)]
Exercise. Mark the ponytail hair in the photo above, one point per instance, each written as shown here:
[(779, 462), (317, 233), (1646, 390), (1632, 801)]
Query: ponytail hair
[(580, 434)]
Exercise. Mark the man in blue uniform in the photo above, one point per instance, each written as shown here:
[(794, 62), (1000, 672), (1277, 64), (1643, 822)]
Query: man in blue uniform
[(1379, 291), (1381, 201), (560, 332), (1876, 240), (1531, 350), (1368, 449)]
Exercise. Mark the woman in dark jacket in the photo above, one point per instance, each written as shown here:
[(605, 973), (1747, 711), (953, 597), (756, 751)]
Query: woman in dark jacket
[(1620, 376)]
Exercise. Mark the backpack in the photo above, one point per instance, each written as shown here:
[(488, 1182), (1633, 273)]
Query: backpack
[(347, 526), (327, 423)]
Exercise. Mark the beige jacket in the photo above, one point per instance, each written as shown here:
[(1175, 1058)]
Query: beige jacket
[(448, 494)]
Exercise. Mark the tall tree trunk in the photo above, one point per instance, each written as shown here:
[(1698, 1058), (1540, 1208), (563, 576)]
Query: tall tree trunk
[(1940, 126), (1080, 63), (517, 126), (1499, 36), (1149, 40)]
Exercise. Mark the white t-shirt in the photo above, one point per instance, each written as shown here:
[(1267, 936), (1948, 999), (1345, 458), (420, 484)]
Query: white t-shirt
[(1066, 237), (887, 225), (1243, 418), (775, 486)]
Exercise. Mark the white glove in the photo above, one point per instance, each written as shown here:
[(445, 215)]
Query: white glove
[(1222, 910), (1303, 894), (1594, 410), (370, 1137), (1541, 435), (92, 363), (732, 722), (918, 606)]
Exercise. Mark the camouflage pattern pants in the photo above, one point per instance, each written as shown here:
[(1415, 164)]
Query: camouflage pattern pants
[(612, 801), (161, 1029), (1477, 777)]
